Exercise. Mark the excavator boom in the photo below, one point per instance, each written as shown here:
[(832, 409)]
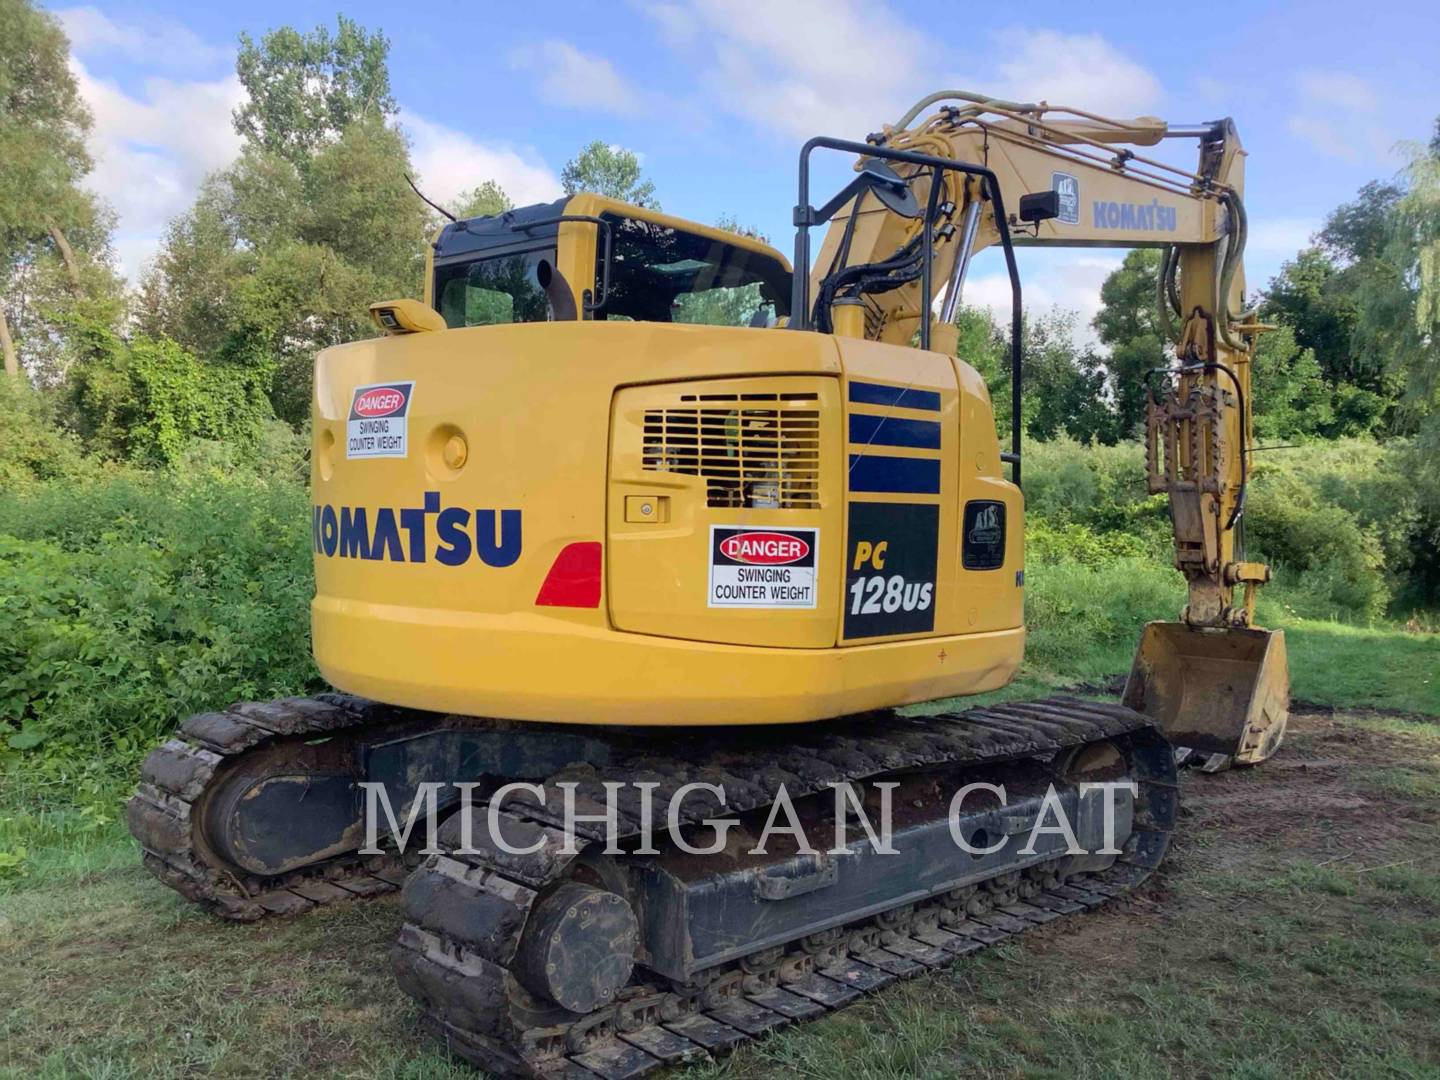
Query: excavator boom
[(1047, 176)]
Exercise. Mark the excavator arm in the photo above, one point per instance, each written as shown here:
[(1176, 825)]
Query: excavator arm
[(1068, 178)]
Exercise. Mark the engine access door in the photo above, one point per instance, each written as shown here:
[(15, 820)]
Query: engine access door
[(723, 514)]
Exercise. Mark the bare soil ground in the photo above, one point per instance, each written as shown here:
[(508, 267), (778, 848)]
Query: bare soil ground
[(1295, 930)]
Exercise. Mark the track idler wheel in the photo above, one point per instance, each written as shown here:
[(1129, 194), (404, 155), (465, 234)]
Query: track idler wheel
[(578, 949)]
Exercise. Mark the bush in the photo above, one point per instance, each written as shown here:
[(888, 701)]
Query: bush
[(1337, 521), (1341, 522), (1102, 487), (136, 600), (33, 449), (1084, 620), (144, 400)]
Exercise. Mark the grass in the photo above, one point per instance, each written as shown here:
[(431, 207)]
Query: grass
[(1084, 623), (1296, 932), (1338, 664), (1242, 987), (103, 976)]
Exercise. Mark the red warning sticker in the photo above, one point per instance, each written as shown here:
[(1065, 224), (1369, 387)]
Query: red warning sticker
[(762, 568)]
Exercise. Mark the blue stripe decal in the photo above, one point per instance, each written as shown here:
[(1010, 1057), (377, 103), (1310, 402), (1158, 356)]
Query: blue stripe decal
[(902, 397), (892, 431), (908, 476)]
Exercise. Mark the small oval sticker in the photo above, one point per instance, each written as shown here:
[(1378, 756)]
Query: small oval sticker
[(382, 401), (764, 548)]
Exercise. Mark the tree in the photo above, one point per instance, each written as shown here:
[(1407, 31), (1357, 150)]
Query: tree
[(1289, 395), (144, 399), (52, 230), (483, 200), (188, 292), (1359, 230), (1064, 384), (283, 252), (609, 170), (305, 89), (1399, 299), (1129, 325), (1322, 294)]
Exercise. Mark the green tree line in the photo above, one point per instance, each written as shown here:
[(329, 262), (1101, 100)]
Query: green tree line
[(281, 252), (278, 257)]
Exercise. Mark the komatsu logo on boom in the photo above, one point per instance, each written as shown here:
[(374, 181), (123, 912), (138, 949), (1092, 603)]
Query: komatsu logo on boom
[(1153, 215), (453, 534)]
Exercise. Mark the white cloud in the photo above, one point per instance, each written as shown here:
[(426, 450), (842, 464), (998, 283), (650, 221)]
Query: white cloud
[(678, 25), (802, 68), (152, 151), (846, 67), (843, 67), (1339, 89), (151, 41), (1339, 115), (1056, 278), (575, 79), (1080, 70), (450, 163), (1280, 237)]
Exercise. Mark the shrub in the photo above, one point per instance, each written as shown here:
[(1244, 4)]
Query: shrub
[(33, 449), (144, 400), (1084, 621), (135, 600)]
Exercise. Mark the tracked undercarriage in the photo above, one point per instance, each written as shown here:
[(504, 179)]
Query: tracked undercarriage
[(578, 963)]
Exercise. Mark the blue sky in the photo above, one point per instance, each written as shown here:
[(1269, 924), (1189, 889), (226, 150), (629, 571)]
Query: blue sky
[(717, 95)]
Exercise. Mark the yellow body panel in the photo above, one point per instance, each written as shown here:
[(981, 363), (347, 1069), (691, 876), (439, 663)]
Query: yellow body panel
[(529, 432)]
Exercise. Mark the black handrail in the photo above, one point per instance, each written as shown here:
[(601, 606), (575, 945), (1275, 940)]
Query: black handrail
[(805, 215)]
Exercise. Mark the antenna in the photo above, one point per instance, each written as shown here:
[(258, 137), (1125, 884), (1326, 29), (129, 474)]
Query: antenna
[(434, 205)]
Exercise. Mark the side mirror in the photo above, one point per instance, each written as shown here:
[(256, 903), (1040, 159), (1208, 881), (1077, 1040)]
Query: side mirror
[(886, 184), (1039, 206), (892, 191)]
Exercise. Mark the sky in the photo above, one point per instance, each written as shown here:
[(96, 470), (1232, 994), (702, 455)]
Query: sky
[(716, 97)]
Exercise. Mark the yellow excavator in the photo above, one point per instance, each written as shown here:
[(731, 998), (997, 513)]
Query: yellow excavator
[(630, 540)]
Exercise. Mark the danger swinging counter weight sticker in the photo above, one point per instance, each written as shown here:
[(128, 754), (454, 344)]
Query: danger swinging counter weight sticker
[(379, 421), (762, 568)]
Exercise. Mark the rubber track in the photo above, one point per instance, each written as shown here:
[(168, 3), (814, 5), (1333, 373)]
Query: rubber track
[(466, 913), (163, 814)]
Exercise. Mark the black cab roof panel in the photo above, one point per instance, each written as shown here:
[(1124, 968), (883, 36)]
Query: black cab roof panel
[(500, 231)]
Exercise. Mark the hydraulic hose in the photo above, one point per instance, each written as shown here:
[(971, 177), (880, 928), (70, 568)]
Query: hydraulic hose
[(960, 95), (1234, 250)]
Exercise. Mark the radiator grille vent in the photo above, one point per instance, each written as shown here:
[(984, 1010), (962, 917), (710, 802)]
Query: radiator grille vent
[(758, 451)]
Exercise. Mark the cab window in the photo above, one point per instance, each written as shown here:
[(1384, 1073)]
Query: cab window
[(500, 289), (662, 274)]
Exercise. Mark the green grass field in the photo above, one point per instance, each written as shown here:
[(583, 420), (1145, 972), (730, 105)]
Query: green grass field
[(1295, 931)]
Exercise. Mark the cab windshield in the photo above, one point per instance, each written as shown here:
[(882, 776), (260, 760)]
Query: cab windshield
[(662, 274)]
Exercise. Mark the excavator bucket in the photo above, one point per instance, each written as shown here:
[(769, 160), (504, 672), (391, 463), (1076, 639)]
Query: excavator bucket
[(1221, 695)]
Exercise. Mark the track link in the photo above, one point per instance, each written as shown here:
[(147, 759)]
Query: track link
[(461, 950), (164, 813)]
